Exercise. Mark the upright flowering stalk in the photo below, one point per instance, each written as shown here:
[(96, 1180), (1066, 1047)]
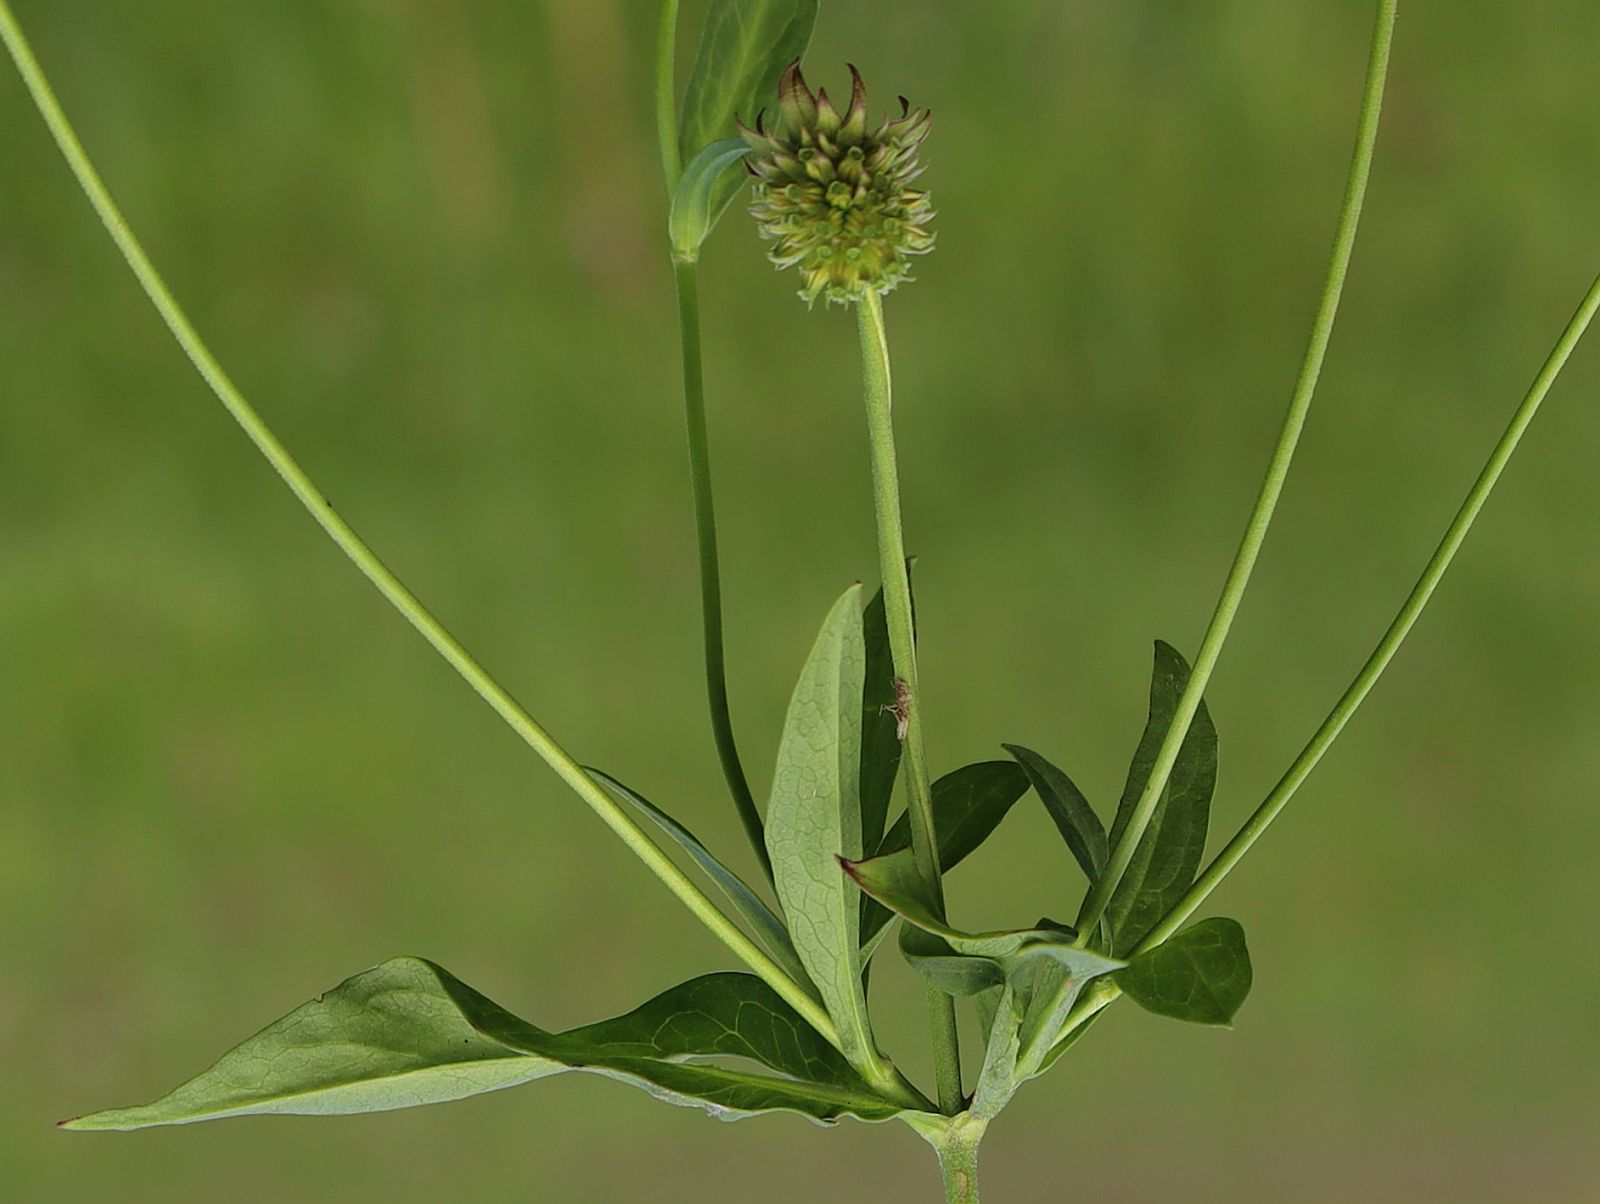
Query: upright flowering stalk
[(838, 202), (835, 198)]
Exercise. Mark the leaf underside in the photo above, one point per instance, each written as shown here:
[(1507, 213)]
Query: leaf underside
[(408, 1033), (814, 817), (965, 963), (769, 929)]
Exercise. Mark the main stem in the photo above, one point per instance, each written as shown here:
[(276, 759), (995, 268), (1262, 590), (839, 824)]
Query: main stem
[(1266, 503), (666, 93), (958, 1159), (903, 648), (362, 556), (705, 528)]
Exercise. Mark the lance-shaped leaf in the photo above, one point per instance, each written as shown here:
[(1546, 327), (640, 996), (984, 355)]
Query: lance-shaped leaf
[(408, 1033), (1201, 975), (953, 973), (880, 737), (744, 47), (814, 817), (1074, 818), (763, 921), (894, 882), (968, 804), (997, 1077), (1168, 854), (702, 194)]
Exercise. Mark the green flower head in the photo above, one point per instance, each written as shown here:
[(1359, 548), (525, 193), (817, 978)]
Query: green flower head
[(835, 198)]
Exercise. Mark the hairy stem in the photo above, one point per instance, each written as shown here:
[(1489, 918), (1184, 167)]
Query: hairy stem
[(957, 1148), (1266, 502), (362, 556), (705, 526), (666, 93), (903, 648), (1386, 648)]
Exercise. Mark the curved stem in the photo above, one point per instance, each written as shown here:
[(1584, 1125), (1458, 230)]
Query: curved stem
[(390, 586), (1255, 532), (666, 93), (1375, 665), (1407, 617), (705, 527), (903, 648)]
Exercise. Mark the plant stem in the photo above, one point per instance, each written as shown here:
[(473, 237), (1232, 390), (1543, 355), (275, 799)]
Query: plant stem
[(958, 1158), (1255, 532), (1407, 617), (903, 648), (1356, 693), (387, 584), (666, 93), (705, 525)]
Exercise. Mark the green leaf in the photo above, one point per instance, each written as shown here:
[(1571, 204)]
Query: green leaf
[(968, 804), (988, 1002), (762, 919), (1074, 818), (880, 739), (408, 1033), (1167, 856), (814, 817), (702, 195), (895, 883), (953, 973), (997, 1077), (744, 47), (1201, 975)]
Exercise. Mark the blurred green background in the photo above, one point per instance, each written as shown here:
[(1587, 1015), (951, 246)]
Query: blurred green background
[(426, 238)]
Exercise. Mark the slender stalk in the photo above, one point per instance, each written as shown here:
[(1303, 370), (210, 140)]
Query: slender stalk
[(1355, 694), (705, 526), (903, 648), (1266, 503), (666, 93), (362, 556), (1407, 617)]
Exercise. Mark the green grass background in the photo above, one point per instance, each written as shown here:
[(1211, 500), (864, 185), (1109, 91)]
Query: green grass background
[(426, 237)]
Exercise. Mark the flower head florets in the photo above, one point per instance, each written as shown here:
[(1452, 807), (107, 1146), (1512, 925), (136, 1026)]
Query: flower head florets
[(835, 198)]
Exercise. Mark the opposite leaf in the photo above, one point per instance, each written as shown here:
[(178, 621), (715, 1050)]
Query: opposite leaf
[(702, 194), (408, 1033), (814, 817), (968, 804), (894, 882), (745, 46), (1202, 975), (1074, 818), (1169, 853), (768, 927)]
